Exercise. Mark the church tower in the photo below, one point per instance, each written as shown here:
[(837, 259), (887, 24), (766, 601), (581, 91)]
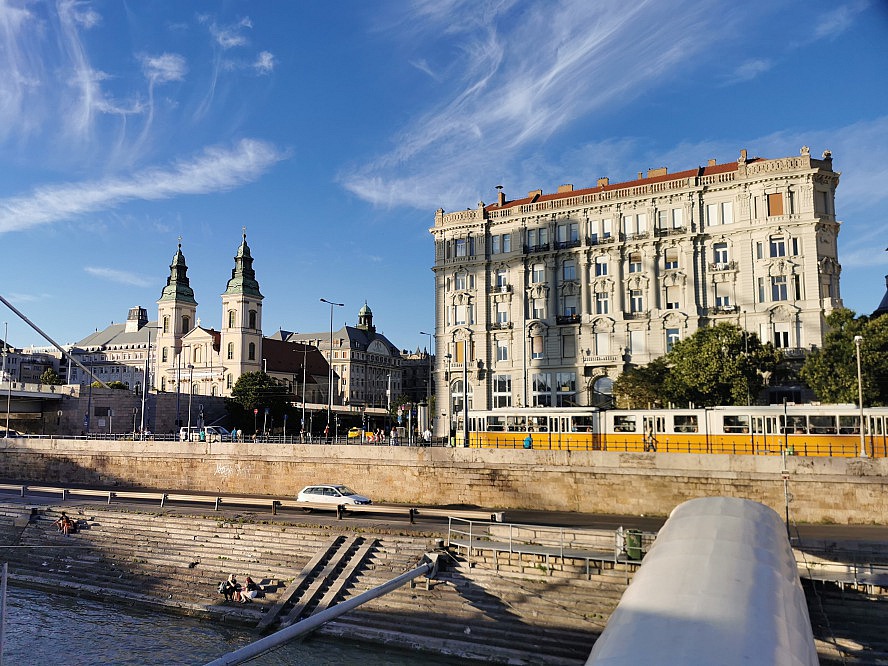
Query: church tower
[(241, 340), (176, 310)]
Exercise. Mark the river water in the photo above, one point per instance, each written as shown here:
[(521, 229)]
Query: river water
[(54, 630)]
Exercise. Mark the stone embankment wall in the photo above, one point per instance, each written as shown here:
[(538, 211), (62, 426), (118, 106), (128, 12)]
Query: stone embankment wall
[(838, 490)]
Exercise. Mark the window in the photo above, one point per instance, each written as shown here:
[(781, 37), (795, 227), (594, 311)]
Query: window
[(602, 344), (164, 354), (569, 270), (542, 389), (778, 246), (722, 299), (636, 301), (459, 281), (686, 423), (642, 223), (495, 247), (568, 346), (671, 259), (460, 247), (566, 389), (775, 204), (163, 384), (228, 381), (502, 313), (507, 242), (727, 210), (502, 391), (778, 288), (720, 253), (537, 347), (186, 324), (629, 225), (761, 290), (736, 424), (607, 228), (624, 423), (230, 351), (794, 244), (567, 234), (636, 342), (672, 336), (712, 214), (538, 308), (635, 262), (600, 266), (231, 319), (677, 218), (253, 319), (459, 315), (601, 303), (502, 350), (570, 306), (502, 277), (672, 296), (797, 287), (166, 324), (781, 335), (251, 353), (538, 273), (538, 238)]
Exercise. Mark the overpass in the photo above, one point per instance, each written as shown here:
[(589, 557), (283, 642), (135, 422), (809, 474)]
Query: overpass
[(25, 404)]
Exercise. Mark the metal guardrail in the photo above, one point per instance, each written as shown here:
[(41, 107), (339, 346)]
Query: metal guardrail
[(275, 504)]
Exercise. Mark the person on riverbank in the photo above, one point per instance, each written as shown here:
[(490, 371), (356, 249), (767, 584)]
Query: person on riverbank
[(250, 590), (64, 524), (231, 589)]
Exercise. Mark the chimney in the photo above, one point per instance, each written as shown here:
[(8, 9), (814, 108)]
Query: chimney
[(602, 182), (661, 171), (534, 195), (640, 175), (742, 156), (711, 162), (565, 188), (500, 196)]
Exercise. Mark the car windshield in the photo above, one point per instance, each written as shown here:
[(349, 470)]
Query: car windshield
[(345, 490)]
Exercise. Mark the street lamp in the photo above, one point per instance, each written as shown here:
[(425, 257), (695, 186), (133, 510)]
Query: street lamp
[(857, 340), (330, 391), (190, 395), (145, 382), (429, 384)]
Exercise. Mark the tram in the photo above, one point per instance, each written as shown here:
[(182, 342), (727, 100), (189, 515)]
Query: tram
[(798, 429)]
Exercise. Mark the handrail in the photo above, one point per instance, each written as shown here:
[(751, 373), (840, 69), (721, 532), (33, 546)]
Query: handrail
[(252, 650)]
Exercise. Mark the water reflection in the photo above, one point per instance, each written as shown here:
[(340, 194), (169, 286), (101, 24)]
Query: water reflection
[(53, 629)]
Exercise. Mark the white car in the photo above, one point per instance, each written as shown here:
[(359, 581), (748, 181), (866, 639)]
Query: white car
[(333, 494)]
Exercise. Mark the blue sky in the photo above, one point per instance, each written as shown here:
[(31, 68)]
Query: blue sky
[(333, 130)]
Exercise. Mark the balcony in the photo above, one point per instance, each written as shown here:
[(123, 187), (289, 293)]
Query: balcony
[(567, 319), (637, 236), (641, 314), (602, 359), (718, 266), (675, 231), (723, 310), (534, 249), (501, 289), (794, 352), (566, 245), (500, 325), (601, 240)]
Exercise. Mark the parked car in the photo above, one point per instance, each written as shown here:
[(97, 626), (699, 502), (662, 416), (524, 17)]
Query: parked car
[(334, 494), (205, 434), (8, 433)]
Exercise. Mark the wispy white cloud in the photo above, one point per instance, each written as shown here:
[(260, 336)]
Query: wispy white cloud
[(264, 62), (838, 20), (216, 170), (164, 68), (230, 36), (749, 70), (118, 276)]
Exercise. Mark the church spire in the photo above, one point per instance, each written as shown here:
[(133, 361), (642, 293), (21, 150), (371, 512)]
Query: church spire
[(243, 277), (177, 287)]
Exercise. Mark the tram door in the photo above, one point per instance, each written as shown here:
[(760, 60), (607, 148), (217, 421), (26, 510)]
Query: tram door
[(876, 439), (653, 426), (764, 434), (559, 427)]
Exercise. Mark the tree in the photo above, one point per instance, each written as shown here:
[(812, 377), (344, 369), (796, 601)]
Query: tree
[(256, 390), (51, 377), (831, 371), (718, 365), (641, 386)]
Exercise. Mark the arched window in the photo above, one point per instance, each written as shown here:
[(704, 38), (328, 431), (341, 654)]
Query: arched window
[(252, 351), (166, 324), (186, 323), (231, 319), (230, 351), (252, 319)]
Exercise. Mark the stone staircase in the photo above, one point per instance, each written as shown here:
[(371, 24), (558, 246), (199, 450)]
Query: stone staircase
[(849, 624)]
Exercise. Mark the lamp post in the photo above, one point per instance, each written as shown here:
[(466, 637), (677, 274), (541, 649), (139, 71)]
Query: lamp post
[(304, 363), (145, 382), (449, 398), (465, 392), (330, 360), (429, 383), (190, 395), (858, 339)]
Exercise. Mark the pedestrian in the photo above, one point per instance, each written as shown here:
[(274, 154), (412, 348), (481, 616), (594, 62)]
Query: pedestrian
[(528, 441)]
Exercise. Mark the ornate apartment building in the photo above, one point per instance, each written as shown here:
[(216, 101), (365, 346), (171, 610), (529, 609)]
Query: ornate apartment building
[(543, 300)]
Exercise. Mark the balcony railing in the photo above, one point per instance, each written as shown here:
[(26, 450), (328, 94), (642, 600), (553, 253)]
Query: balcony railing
[(641, 314), (723, 309), (670, 232), (602, 359), (794, 352), (497, 325), (567, 319), (501, 289), (533, 249), (565, 245), (601, 240), (723, 266)]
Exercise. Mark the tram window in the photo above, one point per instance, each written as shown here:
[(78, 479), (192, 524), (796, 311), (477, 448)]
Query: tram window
[(624, 423), (538, 424), (582, 424), (736, 423), (686, 423), (849, 425), (823, 425), (495, 424), (794, 424), (875, 426)]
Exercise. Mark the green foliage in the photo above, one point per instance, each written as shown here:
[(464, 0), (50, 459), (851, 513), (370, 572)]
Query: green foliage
[(256, 390), (831, 371), (641, 386), (718, 365), (120, 386), (51, 377)]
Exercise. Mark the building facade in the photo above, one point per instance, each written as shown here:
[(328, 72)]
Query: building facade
[(543, 300)]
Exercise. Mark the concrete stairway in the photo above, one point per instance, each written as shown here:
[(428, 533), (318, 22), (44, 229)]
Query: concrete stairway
[(849, 625)]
